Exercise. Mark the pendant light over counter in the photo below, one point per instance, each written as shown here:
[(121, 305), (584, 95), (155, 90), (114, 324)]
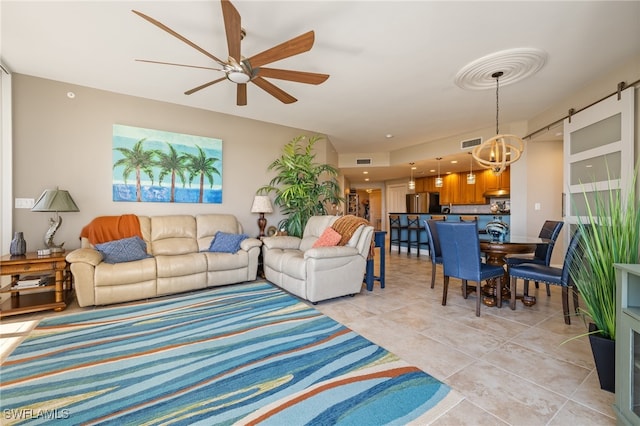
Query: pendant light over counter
[(439, 179), (412, 183), (471, 178)]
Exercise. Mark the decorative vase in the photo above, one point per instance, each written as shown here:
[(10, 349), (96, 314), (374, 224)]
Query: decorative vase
[(497, 229), (604, 356), (18, 245)]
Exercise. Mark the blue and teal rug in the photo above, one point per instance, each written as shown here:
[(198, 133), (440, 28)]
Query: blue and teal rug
[(241, 354)]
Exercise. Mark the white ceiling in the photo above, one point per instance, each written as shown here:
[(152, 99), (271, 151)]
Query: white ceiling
[(392, 64)]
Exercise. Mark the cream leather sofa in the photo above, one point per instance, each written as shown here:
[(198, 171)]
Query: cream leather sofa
[(179, 262), (318, 273)]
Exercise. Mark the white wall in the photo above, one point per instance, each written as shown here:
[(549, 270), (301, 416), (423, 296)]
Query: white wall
[(58, 141)]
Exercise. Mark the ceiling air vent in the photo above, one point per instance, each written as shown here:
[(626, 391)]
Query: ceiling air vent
[(363, 161), (470, 143)]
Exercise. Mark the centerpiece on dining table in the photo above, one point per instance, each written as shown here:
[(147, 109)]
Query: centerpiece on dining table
[(497, 229)]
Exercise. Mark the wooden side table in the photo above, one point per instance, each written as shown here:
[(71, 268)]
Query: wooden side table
[(40, 298)]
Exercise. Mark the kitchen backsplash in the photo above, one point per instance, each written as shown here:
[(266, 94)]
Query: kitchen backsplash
[(479, 208)]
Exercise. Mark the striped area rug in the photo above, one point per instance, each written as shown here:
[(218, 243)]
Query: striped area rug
[(241, 354)]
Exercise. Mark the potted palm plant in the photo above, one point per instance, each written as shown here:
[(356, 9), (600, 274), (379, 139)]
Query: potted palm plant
[(302, 188), (610, 234)]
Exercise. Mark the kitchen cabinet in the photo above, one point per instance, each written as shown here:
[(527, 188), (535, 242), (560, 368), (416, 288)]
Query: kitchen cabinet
[(503, 181), (455, 189), (472, 194)]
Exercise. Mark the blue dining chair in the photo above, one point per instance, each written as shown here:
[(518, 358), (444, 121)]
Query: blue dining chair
[(549, 275), (435, 253), (550, 231), (460, 246)]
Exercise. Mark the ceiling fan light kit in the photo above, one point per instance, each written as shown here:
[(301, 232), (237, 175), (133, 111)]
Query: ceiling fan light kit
[(242, 70)]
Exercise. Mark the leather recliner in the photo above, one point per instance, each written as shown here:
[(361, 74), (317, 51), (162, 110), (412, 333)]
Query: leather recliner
[(317, 273)]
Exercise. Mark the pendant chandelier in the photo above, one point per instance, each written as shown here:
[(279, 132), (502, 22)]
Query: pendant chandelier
[(471, 178), (412, 183), (439, 179), (501, 150)]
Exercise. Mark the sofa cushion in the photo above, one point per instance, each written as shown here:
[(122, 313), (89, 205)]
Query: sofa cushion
[(124, 250), (226, 243), (328, 238)]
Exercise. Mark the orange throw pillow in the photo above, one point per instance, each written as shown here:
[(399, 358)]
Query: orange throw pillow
[(328, 238)]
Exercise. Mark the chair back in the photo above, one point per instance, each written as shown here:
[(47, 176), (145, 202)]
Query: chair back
[(550, 230), (438, 217), (468, 218), (573, 254), (394, 221), (460, 247), (434, 242), (413, 221)]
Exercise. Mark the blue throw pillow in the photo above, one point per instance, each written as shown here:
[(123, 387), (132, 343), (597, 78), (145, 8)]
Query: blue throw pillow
[(226, 243), (124, 250)]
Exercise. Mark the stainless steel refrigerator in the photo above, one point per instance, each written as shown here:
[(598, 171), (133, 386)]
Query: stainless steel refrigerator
[(423, 202)]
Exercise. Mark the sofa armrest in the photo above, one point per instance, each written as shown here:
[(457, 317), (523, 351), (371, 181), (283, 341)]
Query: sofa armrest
[(85, 255), (330, 252), (281, 242), (249, 243)]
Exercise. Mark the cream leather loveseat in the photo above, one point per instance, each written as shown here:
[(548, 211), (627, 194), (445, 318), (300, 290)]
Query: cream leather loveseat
[(317, 273), (179, 260)]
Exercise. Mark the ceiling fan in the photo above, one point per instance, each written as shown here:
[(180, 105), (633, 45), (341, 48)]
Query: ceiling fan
[(241, 70)]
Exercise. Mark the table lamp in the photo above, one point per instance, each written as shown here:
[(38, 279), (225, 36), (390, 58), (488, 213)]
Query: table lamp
[(262, 205), (54, 200)]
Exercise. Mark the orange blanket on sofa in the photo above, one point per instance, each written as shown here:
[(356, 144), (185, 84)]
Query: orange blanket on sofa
[(109, 228), (347, 225)]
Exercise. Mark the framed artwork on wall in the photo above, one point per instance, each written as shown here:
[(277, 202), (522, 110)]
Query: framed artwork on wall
[(158, 166)]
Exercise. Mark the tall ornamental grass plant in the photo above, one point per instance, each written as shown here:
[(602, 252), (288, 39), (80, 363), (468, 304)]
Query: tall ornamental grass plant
[(610, 234)]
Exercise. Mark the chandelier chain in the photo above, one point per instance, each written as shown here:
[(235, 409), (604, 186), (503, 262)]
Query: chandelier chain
[(497, 104)]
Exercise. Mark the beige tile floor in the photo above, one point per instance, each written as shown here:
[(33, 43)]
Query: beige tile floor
[(509, 367)]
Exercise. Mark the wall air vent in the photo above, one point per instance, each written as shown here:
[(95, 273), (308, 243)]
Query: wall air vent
[(470, 143), (363, 161)]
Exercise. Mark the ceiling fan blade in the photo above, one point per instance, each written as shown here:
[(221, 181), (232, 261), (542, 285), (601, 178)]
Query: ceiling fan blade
[(232, 28), (178, 36), (302, 43), (241, 94), (178, 65), (274, 91), (297, 76), (195, 89)]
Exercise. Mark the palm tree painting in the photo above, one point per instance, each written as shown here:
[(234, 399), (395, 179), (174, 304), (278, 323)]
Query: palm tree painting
[(192, 164)]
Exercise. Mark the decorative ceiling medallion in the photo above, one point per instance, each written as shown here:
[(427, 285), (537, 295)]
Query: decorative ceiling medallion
[(516, 64)]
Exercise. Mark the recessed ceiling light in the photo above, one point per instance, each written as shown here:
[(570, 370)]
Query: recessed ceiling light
[(432, 170), (388, 136), (71, 95), (454, 161), (366, 179), (365, 172)]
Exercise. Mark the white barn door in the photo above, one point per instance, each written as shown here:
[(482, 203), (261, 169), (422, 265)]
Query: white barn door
[(598, 152)]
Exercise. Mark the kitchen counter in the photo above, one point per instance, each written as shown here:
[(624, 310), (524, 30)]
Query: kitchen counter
[(483, 220)]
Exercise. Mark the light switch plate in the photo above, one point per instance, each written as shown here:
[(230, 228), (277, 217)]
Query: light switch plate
[(24, 203)]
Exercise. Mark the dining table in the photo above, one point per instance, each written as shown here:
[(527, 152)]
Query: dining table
[(496, 250)]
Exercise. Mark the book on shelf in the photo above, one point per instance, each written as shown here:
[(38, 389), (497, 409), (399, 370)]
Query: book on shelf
[(29, 281)]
